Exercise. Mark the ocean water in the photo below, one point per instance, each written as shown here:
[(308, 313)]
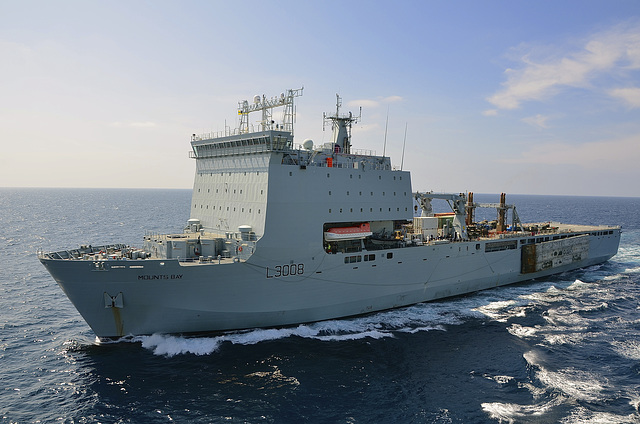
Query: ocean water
[(564, 349)]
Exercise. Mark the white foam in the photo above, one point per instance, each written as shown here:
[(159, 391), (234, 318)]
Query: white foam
[(168, 345), (522, 331), (500, 379), (581, 415), (629, 349), (634, 270), (512, 412), (575, 383)]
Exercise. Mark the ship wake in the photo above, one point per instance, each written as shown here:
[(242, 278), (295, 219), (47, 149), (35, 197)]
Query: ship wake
[(417, 318)]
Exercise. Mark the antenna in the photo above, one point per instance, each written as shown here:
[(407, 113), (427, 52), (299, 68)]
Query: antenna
[(384, 148), (404, 144), (261, 103)]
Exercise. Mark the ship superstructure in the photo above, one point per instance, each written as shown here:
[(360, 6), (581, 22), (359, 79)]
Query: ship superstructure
[(283, 233)]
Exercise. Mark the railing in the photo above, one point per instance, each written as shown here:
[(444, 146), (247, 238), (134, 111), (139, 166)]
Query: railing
[(227, 132)]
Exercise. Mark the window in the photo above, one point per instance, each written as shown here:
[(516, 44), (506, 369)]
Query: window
[(390, 255)]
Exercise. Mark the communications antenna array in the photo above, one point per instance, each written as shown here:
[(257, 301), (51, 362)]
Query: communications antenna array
[(266, 105)]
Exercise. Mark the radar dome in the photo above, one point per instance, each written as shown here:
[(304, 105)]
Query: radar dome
[(308, 144)]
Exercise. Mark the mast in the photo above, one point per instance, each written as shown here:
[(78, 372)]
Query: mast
[(341, 127)]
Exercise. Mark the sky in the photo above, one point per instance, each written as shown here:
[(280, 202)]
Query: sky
[(510, 96)]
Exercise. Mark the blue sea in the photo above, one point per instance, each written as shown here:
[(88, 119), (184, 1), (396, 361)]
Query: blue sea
[(564, 349)]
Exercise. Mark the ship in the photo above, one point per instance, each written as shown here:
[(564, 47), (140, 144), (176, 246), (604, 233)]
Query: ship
[(281, 234)]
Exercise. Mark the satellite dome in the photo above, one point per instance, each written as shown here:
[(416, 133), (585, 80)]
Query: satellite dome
[(307, 144)]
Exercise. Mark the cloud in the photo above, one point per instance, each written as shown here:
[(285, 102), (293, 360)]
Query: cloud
[(392, 99), (631, 95), (539, 121), (364, 103), (490, 112), (615, 51), (370, 103), (616, 154)]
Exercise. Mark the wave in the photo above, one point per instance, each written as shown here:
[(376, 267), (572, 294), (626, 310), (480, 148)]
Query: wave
[(512, 412), (417, 318)]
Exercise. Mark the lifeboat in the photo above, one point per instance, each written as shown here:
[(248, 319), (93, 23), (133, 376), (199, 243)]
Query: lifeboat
[(348, 233)]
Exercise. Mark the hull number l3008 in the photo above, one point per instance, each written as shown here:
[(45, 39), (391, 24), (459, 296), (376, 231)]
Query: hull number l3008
[(285, 270)]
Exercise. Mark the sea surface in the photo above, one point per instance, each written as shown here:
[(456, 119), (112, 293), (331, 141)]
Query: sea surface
[(564, 349)]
